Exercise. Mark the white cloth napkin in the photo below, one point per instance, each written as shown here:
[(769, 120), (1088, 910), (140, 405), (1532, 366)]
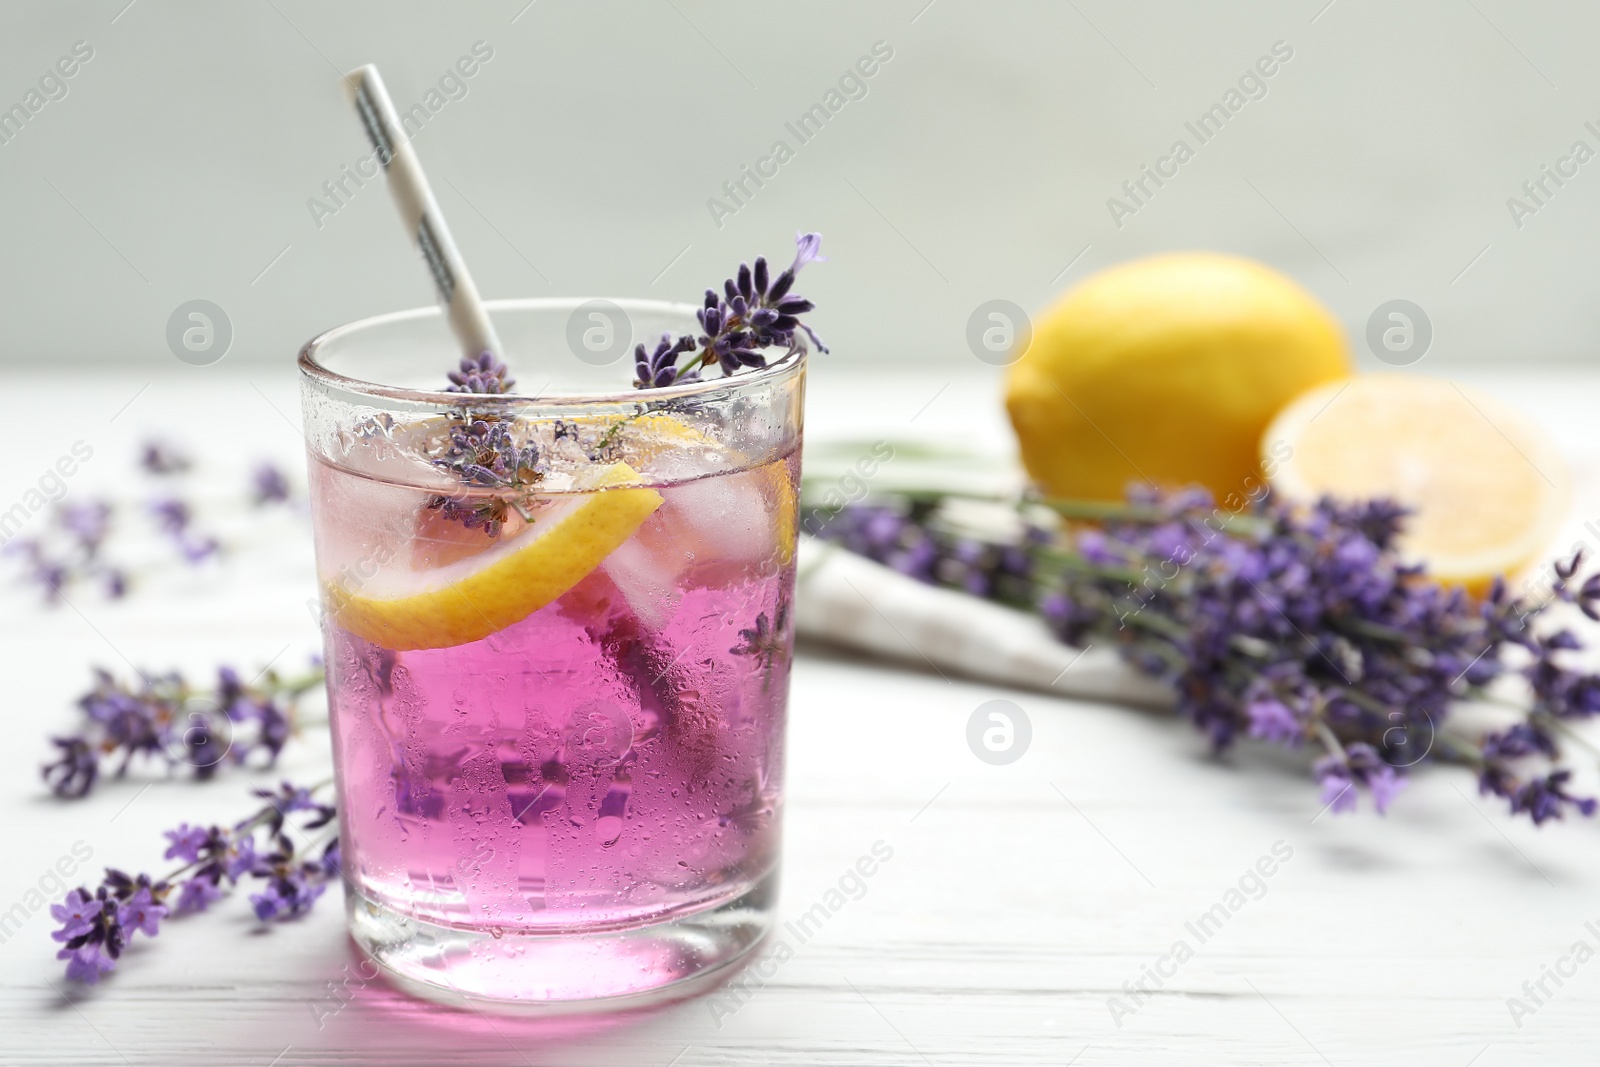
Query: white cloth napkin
[(846, 599)]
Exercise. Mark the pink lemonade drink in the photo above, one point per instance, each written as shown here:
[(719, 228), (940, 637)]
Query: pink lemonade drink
[(558, 700)]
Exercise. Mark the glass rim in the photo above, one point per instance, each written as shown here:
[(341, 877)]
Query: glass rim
[(312, 369)]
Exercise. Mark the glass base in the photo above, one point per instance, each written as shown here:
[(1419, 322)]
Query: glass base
[(610, 970)]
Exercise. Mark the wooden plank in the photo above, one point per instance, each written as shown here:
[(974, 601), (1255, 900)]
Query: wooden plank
[(1018, 902)]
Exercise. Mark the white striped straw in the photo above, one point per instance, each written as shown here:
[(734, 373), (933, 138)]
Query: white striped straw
[(420, 212)]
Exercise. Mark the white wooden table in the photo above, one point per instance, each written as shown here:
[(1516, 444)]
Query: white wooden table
[(1018, 901)]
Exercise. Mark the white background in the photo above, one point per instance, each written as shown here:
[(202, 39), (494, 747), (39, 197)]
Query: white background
[(978, 165)]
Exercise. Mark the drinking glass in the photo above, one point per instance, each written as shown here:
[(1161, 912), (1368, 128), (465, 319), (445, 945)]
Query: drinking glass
[(557, 636)]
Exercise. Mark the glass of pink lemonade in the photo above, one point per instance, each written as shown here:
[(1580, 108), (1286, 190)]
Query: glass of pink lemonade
[(557, 695)]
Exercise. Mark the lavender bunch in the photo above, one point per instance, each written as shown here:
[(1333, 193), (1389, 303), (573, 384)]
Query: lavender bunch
[(754, 312), (1298, 626), (96, 926), (165, 720)]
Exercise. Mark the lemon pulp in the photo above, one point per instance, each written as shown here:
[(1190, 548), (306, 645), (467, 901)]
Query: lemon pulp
[(471, 598)]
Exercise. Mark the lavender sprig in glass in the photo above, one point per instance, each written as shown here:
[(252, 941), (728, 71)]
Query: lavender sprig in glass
[(498, 471), (483, 455), (754, 312), (486, 373)]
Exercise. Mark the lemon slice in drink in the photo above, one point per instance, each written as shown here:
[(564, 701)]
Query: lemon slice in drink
[(773, 477), (470, 598), (776, 475)]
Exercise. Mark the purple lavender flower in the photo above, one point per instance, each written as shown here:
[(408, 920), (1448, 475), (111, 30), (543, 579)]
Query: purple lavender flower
[(755, 312), (174, 518), (290, 894), (1521, 739), (74, 771), (1542, 798), (186, 843), (291, 798), (93, 934), (483, 455), (87, 962), (87, 523), (141, 913), (197, 894), (294, 881), (240, 858), (48, 573), (245, 705), (76, 914), (115, 582), (171, 515), (1337, 786), (274, 901), (163, 458), (332, 860), (73, 555), (658, 369), (1271, 720), (485, 374), (95, 928), (808, 249), (268, 485), (752, 315), (767, 642), (1359, 766)]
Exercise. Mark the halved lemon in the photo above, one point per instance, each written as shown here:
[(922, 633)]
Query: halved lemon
[(472, 597), (1488, 490)]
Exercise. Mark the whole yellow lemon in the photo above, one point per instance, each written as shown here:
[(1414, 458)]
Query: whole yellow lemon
[(1167, 369)]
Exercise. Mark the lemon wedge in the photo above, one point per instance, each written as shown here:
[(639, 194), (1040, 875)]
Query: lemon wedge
[(470, 598)]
